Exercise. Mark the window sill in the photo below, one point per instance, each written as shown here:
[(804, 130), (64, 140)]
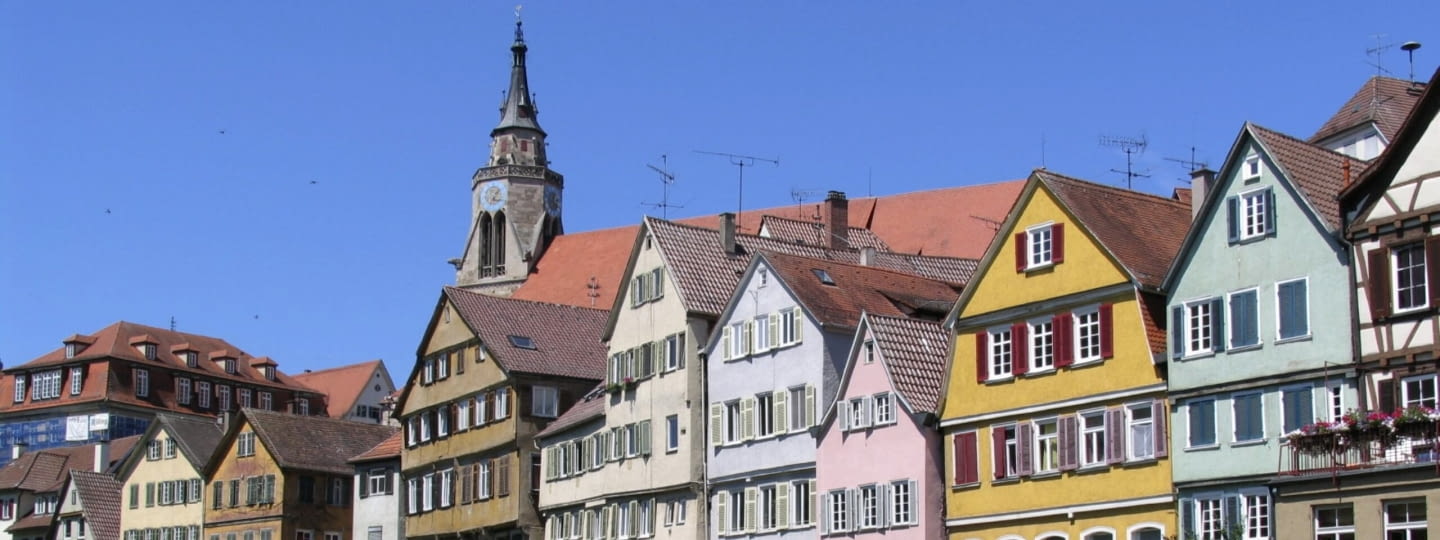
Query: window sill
[(1139, 462), (967, 485), (1306, 337), (1000, 380), (1244, 348), (1006, 480), (1092, 468), (1253, 442), (1046, 475), (1197, 356), (1203, 448), (1039, 267), (1040, 372)]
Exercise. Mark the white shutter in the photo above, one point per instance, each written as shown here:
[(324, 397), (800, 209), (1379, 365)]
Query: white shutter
[(774, 322), (824, 509), (782, 505), (725, 339), (779, 419), (809, 406), (747, 418), (722, 511), (913, 502), (799, 319), (750, 496)]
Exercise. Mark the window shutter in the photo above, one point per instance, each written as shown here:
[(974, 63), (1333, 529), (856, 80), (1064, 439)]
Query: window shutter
[(966, 460), (1232, 517), (1107, 330), (1057, 243), (1270, 213), (725, 339), (782, 505), (1024, 438), (1232, 210), (1293, 311), (750, 494), (645, 437), (778, 417), (364, 485), (1177, 332), (809, 406), (799, 324), (842, 414), (997, 450), (1217, 325), (1068, 457), (1019, 346), (982, 356), (1187, 525), (825, 514), (1062, 339), (747, 417), (1115, 435), (1377, 287), (914, 502), (1386, 395), (1020, 249), (717, 423), (1161, 436), (1432, 269)]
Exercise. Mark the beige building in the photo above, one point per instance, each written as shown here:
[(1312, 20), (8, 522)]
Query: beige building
[(161, 481)]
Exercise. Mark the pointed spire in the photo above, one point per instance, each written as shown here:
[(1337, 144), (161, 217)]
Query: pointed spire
[(518, 110)]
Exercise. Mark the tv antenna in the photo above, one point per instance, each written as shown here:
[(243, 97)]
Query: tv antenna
[(1131, 146), (666, 179), (1378, 51), (800, 195), (741, 161), (592, 290), (1190, 165)]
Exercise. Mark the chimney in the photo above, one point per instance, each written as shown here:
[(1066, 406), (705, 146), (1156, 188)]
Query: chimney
[(727, 232), (1200, 182), (867, 256), (837, 220), (17, 450), (102, 456)]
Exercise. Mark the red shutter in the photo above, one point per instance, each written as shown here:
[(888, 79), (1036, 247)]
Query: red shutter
[(997, 450), (1018, 347), (1068, 444), (966, 462), (1157, 417), (1024, 454), (1378, 286), (1020, 260), (1107, 331), (1115, 435), (1063, 340), (982, 362), (1432, 269), (1057, 243)]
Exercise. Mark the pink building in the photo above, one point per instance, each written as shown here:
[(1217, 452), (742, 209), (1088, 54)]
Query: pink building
[(878, 470)]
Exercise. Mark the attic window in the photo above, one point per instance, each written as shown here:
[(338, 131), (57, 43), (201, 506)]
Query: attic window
[(192, 359), (1251, 170), (823, 276), (229, 365), (71, 349), (522, 342), (148, 349), (269, 372)]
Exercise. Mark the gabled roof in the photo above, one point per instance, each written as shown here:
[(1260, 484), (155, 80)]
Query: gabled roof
[(566, 338), (855, 289), (100, 499), (342, 385), (44, 470), (590, 407), (197, 438), (814, 232), (915, 352), (1385, 101), (1378, 176), (580, 269), (1318, 172), (309, 443), (1142, 232), (387, 449)]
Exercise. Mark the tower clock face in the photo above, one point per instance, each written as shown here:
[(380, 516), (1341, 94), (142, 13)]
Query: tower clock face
[(552, 199), (493, 195)]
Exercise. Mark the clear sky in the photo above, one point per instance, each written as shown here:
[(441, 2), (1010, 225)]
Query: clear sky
[(292, 176)]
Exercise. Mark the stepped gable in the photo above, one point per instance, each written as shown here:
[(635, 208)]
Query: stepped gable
[(1319, 173), (314, 443), (566, 338), (854, 289), (914, 353), (1386, 101)]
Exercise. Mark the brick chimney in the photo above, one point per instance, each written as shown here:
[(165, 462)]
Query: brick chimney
[(837, 220), (727, 232), (1200, 183), (102, 456)]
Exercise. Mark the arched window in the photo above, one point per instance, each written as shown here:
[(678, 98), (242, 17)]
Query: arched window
[(497, 255), (1098, 533), (1147, 532), (485, 234)]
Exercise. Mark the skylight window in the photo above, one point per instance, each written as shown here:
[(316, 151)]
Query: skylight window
[(522, 342), (823, 275)]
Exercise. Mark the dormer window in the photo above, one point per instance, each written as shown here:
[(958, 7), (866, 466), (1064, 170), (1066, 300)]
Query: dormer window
[(148, 349), (192, 359), (71, 349), (1250, 171), (269, 372), (229, 364)]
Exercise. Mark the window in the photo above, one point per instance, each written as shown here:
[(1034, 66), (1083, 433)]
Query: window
[(429, 371), (462, 415), (1298, 408), (1256, 508), (222, 395), (791, 325), (142, 382), (1201, 417), (300, 534), (545, 401), (1255, 214), (265, 400), (1006, 450), (732, 428), (1047, 446), (447, 487), (999, 352), (202, 394), (1244, 319), (1405, 520), (1042, 345), (482, 482), (736, 340), (1200, 327), (902, 503), (230, 366), (77, 378), (45, 385), (763, 340), (802, 407), (246, 444), (766, 508), (1092, 433), (1039, 246), (1249, 417), (674, 352), (838, 513), (502, 403), (1418, 391), (801, 495), (412, 496), (1209, 518), (329, 535), (1087, 334), (857, 413), (244, 396), (1142, 430), (1407, 265), (1291, 307), (1335, 523), (19, 387), (1251, 169), (302, 406), (182, 390), (379, 482), (672, 433), (1336, 396), (883, 405), (764, 415), (153, 450), (868, 501), (427, 492)]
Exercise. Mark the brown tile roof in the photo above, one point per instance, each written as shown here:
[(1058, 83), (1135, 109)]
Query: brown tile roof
[(1153, 314), (1143, 232), (813, 232), (32, 521), (43, 470), (590, 407), (100, 498), (1183, 195), (387, 449), (568, 266), (1383, 100), (1378, 175), (914, 353), (342, 385), (858, 289), (1317, 172), (197, 438), (566, 338), (314, 443)]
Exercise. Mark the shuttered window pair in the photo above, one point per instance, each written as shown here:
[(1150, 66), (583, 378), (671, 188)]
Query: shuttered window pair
[(1040, 247), (1403, 278), (1059, 341), (1199, 327), (762, 334), (1250, 215), (1133, 432), (763, 415)]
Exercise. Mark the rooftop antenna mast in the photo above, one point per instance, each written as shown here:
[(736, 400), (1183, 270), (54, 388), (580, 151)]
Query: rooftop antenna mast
[(741, 161), (1378, 51), (1409, 47), (1131, 146), (1191, 165), (800, 195), (666, 179)]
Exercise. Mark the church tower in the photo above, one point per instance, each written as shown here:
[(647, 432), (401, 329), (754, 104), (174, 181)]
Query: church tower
[(515, 197)]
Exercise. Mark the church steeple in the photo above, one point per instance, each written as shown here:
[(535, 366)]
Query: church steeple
[(518, 109)]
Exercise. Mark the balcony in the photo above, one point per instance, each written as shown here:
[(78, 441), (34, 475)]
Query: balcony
[(1362, 442)]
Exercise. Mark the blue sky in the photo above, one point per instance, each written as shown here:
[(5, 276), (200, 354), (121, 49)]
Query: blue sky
[(315, 229)]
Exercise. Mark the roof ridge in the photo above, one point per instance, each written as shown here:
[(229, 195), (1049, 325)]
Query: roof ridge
[(525, 300), (857, 266), (312, 373), (944, 188), (1308, 144), (1116, 189)]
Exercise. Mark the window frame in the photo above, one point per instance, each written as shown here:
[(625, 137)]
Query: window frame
[(1078, 337), (1406, 399), (888, 399), (1131, 423), (1279, 312), (1406, 526), (1195, 333), (1038, 450), (1338, 528), (1232, 326), (1035, 344), (544, 401), (1422, 270), (1035, 258), (1190, 425), (1086, 432), (672, 433), (996, 359), (1235, 436), (1256, 201)]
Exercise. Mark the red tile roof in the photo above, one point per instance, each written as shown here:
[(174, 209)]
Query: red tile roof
[(387, 449), (312, 443), (858, 289), (32, 521), (1385, 101), (1318, 172), (1142, 231), (914, 353), (590, 407), (814, 232), (1183, 195), (1378, 175), (342, 385), (566, 338), (43, 470), (100, 499), (576, 260)]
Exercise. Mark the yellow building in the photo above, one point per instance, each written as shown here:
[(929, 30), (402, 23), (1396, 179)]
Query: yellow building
[(282, 474), (161, 479), (1055, 411)]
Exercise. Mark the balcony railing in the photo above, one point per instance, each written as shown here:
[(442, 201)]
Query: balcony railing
[(1343, 448)]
